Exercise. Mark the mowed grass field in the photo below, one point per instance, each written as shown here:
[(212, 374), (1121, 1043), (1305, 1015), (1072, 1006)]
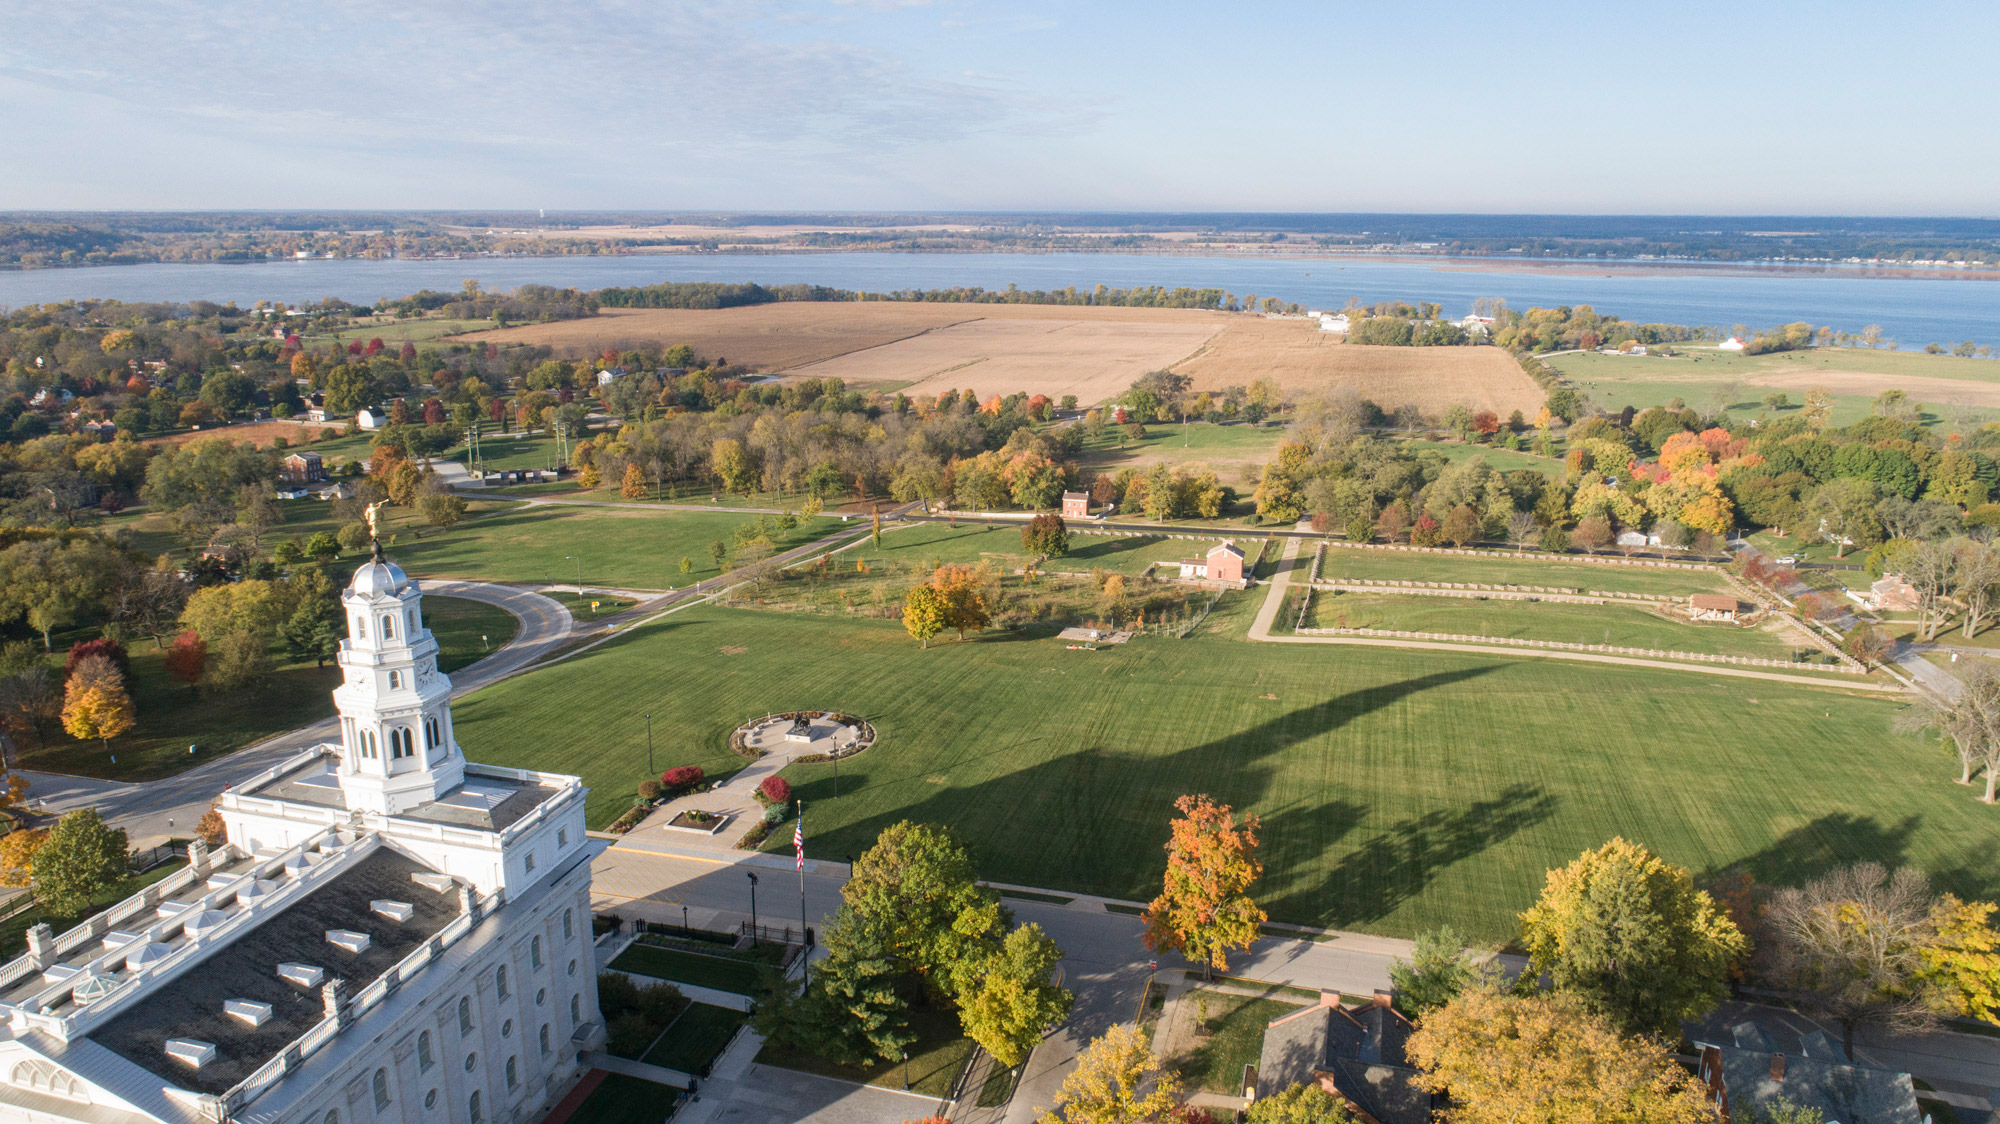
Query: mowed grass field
[(1946, 384), (1498, 568), (1398, 790), (617, 547), (1302, 358), (1233, 451), (1626, 626)]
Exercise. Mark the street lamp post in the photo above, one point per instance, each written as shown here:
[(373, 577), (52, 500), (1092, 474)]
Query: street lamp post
[(684, 921), (906, 1069), (752, 875)]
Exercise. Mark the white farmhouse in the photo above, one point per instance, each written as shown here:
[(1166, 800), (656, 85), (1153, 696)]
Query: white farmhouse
[(1733, 343), (390, 935), (370, 418)]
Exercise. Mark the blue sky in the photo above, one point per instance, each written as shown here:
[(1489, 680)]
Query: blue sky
[(1736, 108)]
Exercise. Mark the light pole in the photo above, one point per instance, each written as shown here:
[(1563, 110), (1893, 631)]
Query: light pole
[(752, 875), (684, 921), (906, 1069), (649, 743)]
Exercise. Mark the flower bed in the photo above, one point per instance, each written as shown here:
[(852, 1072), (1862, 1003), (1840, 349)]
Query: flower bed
[(695, 819)]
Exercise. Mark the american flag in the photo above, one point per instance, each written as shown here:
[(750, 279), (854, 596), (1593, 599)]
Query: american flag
[(799, 841)]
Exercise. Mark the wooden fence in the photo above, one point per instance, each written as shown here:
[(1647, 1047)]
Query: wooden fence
[(1608, 649)]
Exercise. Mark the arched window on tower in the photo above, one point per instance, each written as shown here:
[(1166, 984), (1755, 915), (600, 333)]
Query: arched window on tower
[(361, 628), (412, 615), (388, 626)]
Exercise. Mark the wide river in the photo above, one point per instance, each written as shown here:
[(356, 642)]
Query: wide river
[(1913, 311)]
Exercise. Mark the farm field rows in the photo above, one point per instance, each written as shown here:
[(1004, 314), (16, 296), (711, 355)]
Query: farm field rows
[(1622, 625), (1509, 569), (1399, 789)]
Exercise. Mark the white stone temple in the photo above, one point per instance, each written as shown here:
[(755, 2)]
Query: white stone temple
[(390, 934)]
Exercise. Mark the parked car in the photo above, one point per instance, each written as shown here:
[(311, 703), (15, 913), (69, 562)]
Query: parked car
[(1788, 560)]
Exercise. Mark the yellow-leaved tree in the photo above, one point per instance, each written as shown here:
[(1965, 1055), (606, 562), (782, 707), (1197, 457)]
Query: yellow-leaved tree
[(1117, 1080), (96, 704), (1547, 1060)]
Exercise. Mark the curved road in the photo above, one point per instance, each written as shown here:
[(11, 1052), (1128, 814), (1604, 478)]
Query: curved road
[(171, 806)]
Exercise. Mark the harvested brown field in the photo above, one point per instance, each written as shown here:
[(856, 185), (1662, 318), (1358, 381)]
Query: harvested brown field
[(1092, 352), (1092, 360), (257, 433), (1302, 358), (1958, 392)]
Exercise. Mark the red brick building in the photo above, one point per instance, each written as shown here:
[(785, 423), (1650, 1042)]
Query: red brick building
[(1076, 505)]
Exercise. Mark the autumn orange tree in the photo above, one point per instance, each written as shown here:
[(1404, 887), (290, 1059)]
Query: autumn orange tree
[(960, 597), (96, 704), (1203, 911)]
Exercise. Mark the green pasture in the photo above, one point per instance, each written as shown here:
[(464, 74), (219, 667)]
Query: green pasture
[(1626, 626), (617, 547), (1507, 568), (1500, 460), (1398, 789)]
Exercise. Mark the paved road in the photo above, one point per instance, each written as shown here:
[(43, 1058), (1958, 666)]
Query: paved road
[(1104, 964), (151, 811)]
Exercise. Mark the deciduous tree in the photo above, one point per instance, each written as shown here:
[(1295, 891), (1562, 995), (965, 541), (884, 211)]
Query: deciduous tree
[(17, 855), (917, 885), (1300, 1104), (1203, 910), (187, 659), (633, 486), (923, 613), (1045, 536), (1548, 1060), (1969, 724), (1015, 999), (1117, 1080), (81, 858), (95, 702), (963, 602), (1438, 970), (1632, 939)]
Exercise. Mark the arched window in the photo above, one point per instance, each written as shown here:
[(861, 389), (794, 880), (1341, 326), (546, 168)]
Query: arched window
[(381, 1089), (361, 628), (425, 1059), (413, 623), (465, 1015), (472, 1112), (332, 1117), (45, 1077), (545, 1040), (575, 1010), (507, 1029), (388, 626), (513, 1074), (535, 953), (569, 923), (395, 681), (500, 981)]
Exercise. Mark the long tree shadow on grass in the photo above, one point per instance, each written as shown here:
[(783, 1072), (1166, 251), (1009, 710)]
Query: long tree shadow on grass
[(1834, 840), (1101, 792), (1389, 868)]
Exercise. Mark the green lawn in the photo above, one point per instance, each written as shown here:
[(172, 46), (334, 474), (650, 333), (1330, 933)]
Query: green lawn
[(417, 330), (511, 450), (1228, 449), (739, 976), (1614, 382), (466, 630), (1626, 626), (1506, 568), (1399, 789), (173, 717), (1501, 460), (695, 1039), (626, 1100), (14, 931), (619, 548), (1237, 1023), (936, 1057)]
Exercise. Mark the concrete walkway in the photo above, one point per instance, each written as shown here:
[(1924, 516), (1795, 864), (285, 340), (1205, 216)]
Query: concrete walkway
[(735, 798), (744, 1092), (658, 1075)]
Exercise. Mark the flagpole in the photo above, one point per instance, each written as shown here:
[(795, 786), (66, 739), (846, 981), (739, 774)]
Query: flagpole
[(799, 835)]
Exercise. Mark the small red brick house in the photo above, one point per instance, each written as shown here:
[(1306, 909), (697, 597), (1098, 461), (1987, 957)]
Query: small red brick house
[(1223, 563), (303, 468), (1076, 505)]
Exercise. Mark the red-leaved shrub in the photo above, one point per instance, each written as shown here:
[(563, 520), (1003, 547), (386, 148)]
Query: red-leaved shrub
[(775, 790), (681, 777)]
